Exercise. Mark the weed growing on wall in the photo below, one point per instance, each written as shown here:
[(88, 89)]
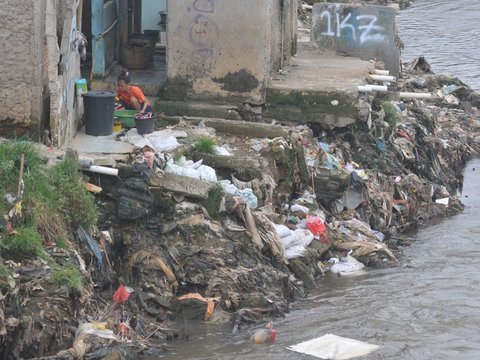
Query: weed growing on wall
[(206, 145)]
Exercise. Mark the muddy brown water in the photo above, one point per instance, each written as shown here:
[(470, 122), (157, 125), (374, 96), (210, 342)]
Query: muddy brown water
[(429, 306)]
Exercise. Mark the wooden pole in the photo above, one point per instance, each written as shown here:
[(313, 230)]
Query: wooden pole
[(20, 178)]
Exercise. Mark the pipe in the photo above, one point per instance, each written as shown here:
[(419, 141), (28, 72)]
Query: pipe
[(102, 170), (369, 88), (412, 95), (383, 78), (364, 88), (382, 72)]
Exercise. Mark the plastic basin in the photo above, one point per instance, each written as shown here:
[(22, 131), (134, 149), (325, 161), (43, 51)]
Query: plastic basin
[(126, 117)]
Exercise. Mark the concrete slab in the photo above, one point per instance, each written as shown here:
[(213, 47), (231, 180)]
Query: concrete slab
[(184, 185), (84, 144), (318, 87), (319, 70)]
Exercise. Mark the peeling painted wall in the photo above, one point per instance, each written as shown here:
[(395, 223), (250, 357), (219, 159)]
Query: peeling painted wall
[(224, 49), (22, 66), (66, 107), (367, 32)]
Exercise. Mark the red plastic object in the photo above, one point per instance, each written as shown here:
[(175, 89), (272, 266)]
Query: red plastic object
[(318, 229), (121, 295)]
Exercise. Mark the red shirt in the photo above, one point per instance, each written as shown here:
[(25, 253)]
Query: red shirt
[(135, 91)]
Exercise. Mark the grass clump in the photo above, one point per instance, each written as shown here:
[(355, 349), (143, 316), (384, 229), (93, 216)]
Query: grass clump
[(212, 203), (4, 273), (390, 113), (25, 243), (70, 277), (54, 203), (206, 145)]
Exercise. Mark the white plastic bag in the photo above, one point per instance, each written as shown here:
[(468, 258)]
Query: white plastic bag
[(300, 208), (282, 230), (305, 237), (246, 194), (290, 240), (295, 252)]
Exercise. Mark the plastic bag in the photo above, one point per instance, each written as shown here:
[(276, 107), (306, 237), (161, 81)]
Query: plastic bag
[(318, 229), (305, 237), (300, 208), (246, 194), (282, 230), (295, 252), (290, 241), (203, 172)]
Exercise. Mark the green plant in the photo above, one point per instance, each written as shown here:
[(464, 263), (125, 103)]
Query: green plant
[(75, 201), (390, 113), (4, 272), (212, 203), (55, 201), (62, 242), (70, 277), (26, 243), (206, 145)]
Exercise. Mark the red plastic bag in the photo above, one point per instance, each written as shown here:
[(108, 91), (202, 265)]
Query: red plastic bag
[(318, 229), (121, 295)]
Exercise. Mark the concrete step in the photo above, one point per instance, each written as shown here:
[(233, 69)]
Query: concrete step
[(318, 87)]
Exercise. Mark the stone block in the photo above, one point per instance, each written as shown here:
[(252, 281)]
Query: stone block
[(184, 185), (367, 32)]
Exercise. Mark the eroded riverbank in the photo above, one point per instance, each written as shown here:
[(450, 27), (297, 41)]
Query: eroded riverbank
[(169, 243)]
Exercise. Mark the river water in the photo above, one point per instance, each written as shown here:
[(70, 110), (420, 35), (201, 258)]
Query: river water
[(447, 33), (428, 307)]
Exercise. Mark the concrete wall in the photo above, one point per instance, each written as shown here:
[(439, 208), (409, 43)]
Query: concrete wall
[(367, 32), (22, 69), (66, 107), (281, 36), (224, 49)]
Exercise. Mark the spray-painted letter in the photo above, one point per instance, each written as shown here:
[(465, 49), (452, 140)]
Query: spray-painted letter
[(370, 28), (329, 23), (345, 25)]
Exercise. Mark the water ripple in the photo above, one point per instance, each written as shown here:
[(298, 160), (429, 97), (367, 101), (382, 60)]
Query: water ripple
[(445, 32)]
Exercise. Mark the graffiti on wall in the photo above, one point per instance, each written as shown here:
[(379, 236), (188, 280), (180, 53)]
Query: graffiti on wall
[(204, 6), (203, 36), (361, 28)]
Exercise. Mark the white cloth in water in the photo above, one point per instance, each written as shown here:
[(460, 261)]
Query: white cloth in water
[(334, 347)]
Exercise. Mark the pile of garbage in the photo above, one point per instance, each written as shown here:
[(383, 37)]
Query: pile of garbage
[(205, 222)]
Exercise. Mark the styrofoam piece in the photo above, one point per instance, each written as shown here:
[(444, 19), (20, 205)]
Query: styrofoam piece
[(443, 201), (334, 347)]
